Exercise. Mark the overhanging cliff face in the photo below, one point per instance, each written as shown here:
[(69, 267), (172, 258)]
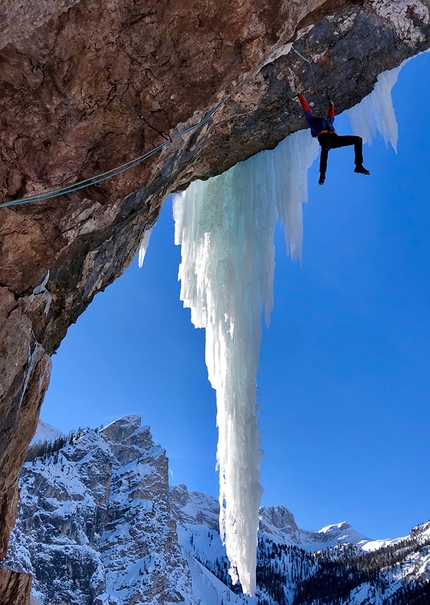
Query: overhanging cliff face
[(74, 77)]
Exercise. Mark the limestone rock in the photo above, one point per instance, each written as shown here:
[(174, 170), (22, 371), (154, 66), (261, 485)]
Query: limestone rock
[(121, 429), (279, 518), (194, 508), (15, 587), (24, 368)]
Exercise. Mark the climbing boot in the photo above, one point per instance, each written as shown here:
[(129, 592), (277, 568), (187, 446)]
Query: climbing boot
[(321, 179), (360, 169)]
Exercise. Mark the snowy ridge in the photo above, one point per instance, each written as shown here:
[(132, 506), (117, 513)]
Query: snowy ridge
[(422, 532), (45, 433), (278, 524), (98, 525), (95, 524), (197, 513), (293, 564)]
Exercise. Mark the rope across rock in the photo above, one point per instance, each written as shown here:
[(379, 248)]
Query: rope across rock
[(99, 178)]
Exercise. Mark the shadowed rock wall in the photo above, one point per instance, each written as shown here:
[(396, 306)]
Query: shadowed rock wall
[(15, 587), (75, 75)]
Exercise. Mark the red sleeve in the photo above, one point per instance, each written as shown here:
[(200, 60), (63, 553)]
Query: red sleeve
[(304, 104), (330, 111)]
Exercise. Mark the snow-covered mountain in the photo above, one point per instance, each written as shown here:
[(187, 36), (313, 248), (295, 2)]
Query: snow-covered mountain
[(45, 433), (95, 524), (98, 525), (336, 565)]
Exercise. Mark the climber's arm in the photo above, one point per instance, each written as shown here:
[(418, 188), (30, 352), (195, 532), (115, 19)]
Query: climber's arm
[(330, 115), (310, 119), (304, 105)]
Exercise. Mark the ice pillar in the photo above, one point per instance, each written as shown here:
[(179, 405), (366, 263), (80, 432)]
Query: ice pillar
[(225, 227)]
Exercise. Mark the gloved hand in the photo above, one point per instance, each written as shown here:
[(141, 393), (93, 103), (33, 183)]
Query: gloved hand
[(321, 179)]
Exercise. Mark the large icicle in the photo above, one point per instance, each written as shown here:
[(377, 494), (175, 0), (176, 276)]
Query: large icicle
[(144, 247), (375, 113), (226, 229)]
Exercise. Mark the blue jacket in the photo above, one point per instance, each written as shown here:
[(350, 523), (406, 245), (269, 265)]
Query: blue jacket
[(317, 124)]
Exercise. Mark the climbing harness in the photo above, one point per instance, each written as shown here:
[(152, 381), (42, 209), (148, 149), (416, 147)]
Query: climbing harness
[(99, 178)]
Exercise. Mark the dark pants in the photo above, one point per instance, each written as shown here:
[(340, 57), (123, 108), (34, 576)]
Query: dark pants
[(331, 140)]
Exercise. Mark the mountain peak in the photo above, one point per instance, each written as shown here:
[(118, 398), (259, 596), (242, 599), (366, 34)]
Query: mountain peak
[(45, 432), (277, 516), (120, 429)]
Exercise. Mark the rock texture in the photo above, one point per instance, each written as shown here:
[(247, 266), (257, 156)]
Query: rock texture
[(76, 74), (24, 371), (15, 587), (95, 522)]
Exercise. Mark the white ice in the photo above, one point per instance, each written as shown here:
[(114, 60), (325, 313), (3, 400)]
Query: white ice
[(226, 227), (144, 247), (375, 113)]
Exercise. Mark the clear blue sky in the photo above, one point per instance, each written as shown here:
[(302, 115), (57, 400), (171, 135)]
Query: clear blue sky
[(345, 367)]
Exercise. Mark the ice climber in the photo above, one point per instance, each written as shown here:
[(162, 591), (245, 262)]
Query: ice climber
[(323, 130)]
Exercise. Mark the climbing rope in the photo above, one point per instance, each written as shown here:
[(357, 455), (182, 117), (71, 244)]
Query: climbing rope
[(310, 64), (99, 178)]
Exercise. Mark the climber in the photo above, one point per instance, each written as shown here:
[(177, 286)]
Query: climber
[(329, 139)]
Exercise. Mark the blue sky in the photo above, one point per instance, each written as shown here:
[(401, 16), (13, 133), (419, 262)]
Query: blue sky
[(345, 367)]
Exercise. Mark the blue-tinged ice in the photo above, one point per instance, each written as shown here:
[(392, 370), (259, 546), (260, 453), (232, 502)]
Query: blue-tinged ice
[(375, 113), (226, 227)]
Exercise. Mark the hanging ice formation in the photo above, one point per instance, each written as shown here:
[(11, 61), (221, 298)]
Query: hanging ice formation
[(226, 229), (376, 111), (144, 247)]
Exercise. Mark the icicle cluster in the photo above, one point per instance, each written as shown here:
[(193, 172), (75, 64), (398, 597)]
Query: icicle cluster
[(375, 113), (226, 229)]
